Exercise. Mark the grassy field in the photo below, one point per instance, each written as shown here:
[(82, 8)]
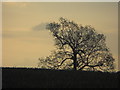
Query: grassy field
[(43, 78)]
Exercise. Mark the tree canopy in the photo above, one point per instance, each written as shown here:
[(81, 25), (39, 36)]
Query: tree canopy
[(78, 48)]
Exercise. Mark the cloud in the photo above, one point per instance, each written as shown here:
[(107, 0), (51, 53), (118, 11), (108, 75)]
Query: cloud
[(39, 27), (43, 34), (16, 4)]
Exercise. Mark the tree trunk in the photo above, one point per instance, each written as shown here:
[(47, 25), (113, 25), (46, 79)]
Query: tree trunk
[(75, 62)]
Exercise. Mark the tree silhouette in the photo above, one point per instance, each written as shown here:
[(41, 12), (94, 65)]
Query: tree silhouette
[(78, 47)]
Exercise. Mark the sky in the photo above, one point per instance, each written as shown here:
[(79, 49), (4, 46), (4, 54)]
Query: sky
[(25, 38)]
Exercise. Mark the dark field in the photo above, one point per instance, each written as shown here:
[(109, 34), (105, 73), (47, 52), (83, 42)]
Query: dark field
[(43, 78)]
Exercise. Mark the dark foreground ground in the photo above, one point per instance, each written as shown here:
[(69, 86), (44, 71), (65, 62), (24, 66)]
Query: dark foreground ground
[(42, 78)]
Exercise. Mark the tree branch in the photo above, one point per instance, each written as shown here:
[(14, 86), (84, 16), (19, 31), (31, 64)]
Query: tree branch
[(92, 66), (82, 67), (63, 61), (92, 51)]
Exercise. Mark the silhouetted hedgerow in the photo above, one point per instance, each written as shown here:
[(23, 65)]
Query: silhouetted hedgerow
[(46, 78)]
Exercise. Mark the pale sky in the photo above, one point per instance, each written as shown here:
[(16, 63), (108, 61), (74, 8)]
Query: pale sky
[(25, 38)]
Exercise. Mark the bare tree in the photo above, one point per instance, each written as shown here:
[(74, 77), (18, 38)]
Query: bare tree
[(78, 47)]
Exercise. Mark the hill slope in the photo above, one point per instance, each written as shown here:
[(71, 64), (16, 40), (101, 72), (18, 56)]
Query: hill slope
[(43, 78)]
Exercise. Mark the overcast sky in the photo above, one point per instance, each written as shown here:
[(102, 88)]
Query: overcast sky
[(25, 38)]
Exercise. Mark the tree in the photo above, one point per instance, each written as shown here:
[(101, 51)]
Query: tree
[(78, 47)]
